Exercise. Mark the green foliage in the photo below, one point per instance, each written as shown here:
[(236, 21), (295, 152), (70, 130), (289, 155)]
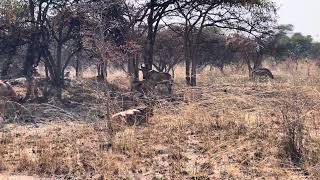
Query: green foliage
[(296, 46)]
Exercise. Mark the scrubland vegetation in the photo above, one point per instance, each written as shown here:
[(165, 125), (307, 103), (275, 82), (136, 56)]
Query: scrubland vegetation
[(228, 128), (157, 89)]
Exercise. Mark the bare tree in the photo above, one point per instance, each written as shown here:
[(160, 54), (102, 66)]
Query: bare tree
[(154, 11), (107, 33), (232, 15), (168, 51), (12, 33)]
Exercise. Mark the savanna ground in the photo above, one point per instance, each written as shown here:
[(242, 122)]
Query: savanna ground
[(225, 128)]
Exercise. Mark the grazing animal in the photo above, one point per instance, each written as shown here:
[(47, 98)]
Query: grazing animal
[(262, 72), (6, 90), (155, 77)]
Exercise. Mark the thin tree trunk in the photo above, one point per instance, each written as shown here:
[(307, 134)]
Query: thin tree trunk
[(257, 60), (131, 68), (28, 67), (148, 51), (59, 80), (249, 67), (187, 58), (188, 74), (194, 72), (173, 72), (6, 67), (79, 71), (105, 70), (100, 76), (46, 69), (136, 67), (102, 71)]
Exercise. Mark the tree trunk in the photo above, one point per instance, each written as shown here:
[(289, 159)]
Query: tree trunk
[(257, 60), (187, 57), (188, 74), (59, 80), (131, 68), (173, 72), (28, 66), (102, 71), (136, 68), (79, 71), (149, 47), (148, 54), (249, 68), (194, 72), (46, 69), (6, 67), (49, 69)]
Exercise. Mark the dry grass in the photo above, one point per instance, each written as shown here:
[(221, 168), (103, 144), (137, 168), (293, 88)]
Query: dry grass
[(226, 128)]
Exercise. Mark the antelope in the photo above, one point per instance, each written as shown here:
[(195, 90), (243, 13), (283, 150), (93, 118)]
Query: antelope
[(156, 77), (6, 90), (262, 72)]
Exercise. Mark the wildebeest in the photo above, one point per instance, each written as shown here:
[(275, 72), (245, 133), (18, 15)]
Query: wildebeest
[(262, 72), (155, 77), (6, 90)]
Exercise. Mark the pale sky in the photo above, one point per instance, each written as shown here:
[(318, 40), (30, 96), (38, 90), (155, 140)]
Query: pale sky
[(303, 14)]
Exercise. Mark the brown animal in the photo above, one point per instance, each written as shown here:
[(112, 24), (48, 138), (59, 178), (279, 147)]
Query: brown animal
[(262, 72), (6, 90), (155, 77)]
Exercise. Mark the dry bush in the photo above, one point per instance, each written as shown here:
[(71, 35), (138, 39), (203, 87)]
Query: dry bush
[(293, 129), (299, 144), (125, 142)]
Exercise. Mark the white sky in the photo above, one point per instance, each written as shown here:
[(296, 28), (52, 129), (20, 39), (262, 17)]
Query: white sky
[(303, 14)]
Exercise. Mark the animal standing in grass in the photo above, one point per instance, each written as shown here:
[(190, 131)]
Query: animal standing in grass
[(156, 78), (262, 72)]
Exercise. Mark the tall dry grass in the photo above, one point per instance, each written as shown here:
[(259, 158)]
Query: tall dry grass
[(226, 128)]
